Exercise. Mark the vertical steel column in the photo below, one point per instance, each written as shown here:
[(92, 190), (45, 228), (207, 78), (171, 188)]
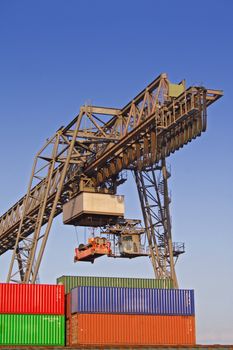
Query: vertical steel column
[(167, 223), (154, 200), (57, 197), (26, 247), (16, 255), (151, 237), (24, 251), (31, 263)]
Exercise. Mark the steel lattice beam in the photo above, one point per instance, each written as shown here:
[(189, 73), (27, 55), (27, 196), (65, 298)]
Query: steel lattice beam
[(91, 152), (154, 199)]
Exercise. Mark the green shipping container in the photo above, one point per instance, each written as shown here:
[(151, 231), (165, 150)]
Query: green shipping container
[(32, 330), (76, 281)]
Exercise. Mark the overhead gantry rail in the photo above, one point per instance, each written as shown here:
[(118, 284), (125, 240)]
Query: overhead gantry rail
[(91, 152)]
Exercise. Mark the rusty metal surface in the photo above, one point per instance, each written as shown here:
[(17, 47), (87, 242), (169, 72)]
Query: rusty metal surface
[(90, 153)]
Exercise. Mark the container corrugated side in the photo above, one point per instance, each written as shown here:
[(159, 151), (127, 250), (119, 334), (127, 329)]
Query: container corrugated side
[(74, 281), (31, 299), (132, 300), (32, 330), (68, 305), (133, 330), (68, 332)]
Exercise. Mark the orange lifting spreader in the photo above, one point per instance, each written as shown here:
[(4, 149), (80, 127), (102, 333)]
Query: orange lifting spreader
[(96, 247)]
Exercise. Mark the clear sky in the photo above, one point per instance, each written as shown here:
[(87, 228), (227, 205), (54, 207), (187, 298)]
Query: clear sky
[(57, 55)]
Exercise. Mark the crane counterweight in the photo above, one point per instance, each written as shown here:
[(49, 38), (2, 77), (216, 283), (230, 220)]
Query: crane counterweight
[(93, 209)]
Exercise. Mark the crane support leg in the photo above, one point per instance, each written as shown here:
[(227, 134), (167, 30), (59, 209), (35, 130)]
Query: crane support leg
[(153, 195), (25, 262)]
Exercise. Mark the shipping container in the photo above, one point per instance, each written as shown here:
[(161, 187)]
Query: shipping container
[(68, 332), (31, 299), (132, 301), (75, 281), (131, 330), (32, 330), (134, 347), (68, 305)]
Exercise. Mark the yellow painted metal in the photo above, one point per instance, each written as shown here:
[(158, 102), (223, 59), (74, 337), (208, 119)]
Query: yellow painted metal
[(174, 90)]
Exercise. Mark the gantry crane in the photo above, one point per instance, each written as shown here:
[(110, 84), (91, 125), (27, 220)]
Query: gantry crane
[(90, 155)]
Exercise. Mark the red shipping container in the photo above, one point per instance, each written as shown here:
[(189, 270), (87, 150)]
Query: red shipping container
[(31, 299), (67, 305), (133, 330)]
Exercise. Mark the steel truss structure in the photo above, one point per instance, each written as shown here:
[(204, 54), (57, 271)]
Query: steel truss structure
[(154, 199), (90, 154)]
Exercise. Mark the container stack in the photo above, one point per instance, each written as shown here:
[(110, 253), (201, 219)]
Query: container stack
[(71, 282), (32, 314), (127, 312)]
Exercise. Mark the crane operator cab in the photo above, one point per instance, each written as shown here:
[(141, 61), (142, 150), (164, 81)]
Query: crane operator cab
[(130, 245), (126, 237)]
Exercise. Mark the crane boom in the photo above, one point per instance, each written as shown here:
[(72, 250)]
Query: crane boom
[(91, 152)]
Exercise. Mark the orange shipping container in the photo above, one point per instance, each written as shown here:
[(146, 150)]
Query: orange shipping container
[(67, 332), (114, 329)]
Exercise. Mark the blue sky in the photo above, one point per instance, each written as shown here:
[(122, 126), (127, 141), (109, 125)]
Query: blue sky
[(57, 55)]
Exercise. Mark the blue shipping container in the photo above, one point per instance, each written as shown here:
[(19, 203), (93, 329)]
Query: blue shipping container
[(132, 301)]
